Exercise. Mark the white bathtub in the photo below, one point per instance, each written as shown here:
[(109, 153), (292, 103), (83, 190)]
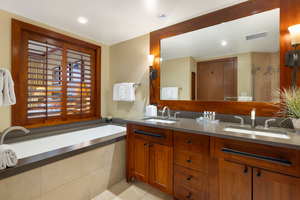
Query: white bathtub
[(45, 144)]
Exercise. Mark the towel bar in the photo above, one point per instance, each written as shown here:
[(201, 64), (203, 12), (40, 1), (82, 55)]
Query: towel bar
[(138, 84)]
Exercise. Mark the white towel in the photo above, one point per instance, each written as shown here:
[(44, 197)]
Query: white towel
[(116, 92), (129, 94), (174, 93), (122, 92), (7, 92), (166, 93), (8, 158)]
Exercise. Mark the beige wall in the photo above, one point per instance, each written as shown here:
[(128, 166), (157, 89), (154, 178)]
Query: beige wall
[(177, 73), (5, 58), (129, 63)]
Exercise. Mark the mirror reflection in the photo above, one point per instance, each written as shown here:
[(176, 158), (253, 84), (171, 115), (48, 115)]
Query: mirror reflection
[(232, 61)]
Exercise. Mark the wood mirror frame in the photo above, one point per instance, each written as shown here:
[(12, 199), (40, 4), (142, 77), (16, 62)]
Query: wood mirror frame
[(289, 15)]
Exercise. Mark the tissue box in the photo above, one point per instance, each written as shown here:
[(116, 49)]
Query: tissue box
[(151, 111)]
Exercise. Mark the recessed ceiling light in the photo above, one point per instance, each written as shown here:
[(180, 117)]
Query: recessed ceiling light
[(224, 43), (161, 16), (82, 20)]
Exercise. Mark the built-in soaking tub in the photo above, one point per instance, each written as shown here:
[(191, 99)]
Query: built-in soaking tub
[(37, 146), (78, 164)]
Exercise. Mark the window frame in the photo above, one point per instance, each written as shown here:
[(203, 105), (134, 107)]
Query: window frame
[(17, 110)]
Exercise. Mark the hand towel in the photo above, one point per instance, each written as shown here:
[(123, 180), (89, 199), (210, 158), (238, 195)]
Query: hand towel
[(122, 92), (7, 92), (174, 93), (166, 93), (8, 158), (129, 94), (116, 92)]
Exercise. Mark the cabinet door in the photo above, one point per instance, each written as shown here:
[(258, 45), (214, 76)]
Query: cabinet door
[(273, 186), (235, 181), (139, 159), (161, 167)]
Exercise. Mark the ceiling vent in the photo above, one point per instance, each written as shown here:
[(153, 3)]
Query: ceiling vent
[(256, 36)]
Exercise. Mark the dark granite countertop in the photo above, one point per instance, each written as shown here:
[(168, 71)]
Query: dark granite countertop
[(210, 129)]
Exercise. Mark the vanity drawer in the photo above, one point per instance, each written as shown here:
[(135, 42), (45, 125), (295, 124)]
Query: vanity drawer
[(184, 192), (191, 160), (191, 142), (258, 155), (156, 135), (191, 178)]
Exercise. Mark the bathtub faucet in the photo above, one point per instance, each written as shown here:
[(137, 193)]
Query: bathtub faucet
[(2, 135)]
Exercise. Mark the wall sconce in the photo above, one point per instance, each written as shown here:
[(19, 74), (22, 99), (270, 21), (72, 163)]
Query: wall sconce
[(292, 57), (153, 75)]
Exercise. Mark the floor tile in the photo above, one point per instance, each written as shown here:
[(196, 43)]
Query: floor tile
[(155, 194)]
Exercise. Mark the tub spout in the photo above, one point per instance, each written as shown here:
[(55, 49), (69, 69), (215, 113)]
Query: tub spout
[(2, 135)]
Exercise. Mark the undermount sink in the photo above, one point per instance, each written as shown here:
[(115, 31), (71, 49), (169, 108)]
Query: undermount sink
[(257, 131), (161, 120)]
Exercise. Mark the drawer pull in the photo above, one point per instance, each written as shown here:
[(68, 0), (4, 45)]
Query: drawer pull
[(273, 160), (145, 144), (188, 196), (189, 142), (246, 171), (189, 178), (258, 175), (149, 134), (188, 160)]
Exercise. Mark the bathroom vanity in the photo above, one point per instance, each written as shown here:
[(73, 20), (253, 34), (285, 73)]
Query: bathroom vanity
[(194, 160)]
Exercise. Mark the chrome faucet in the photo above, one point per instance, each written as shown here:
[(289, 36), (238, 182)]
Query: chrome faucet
[(2, 135), (266, 125), (164, 110), (175, 115)]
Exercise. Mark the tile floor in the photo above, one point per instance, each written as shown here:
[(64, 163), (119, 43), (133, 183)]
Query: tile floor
[(136, 190)]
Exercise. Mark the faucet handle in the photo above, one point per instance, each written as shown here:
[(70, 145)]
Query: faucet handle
[(242, 120), (266, 125), (162, 113), (175, 115)]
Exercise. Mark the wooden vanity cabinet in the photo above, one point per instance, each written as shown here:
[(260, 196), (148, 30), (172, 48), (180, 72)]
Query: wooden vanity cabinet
[(201, 167), (150, 159), (242, 177)]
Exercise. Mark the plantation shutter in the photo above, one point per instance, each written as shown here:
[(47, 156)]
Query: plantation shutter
[(44, 80), (60, 81), (79, 83)]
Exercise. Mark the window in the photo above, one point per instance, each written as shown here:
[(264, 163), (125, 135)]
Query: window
[(57, 78)]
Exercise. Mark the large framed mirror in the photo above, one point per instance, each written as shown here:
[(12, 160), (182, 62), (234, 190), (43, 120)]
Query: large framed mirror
[(233, 61), (248, 73)]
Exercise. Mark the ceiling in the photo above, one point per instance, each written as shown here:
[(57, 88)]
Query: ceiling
[(207, 42), (112, 21)]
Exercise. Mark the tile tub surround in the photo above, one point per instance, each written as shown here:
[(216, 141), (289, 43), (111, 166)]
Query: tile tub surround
[(42, 159), (83, 176)]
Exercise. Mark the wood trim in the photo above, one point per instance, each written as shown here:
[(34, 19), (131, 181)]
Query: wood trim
[(289, 15), (19, 27)]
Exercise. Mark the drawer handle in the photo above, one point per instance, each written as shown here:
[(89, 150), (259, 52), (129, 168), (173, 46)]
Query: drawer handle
[(149, 134), (273, 160), (246, 171), (189, 142), (145, 144), (188, 196), (188, 160), (189, 178)]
